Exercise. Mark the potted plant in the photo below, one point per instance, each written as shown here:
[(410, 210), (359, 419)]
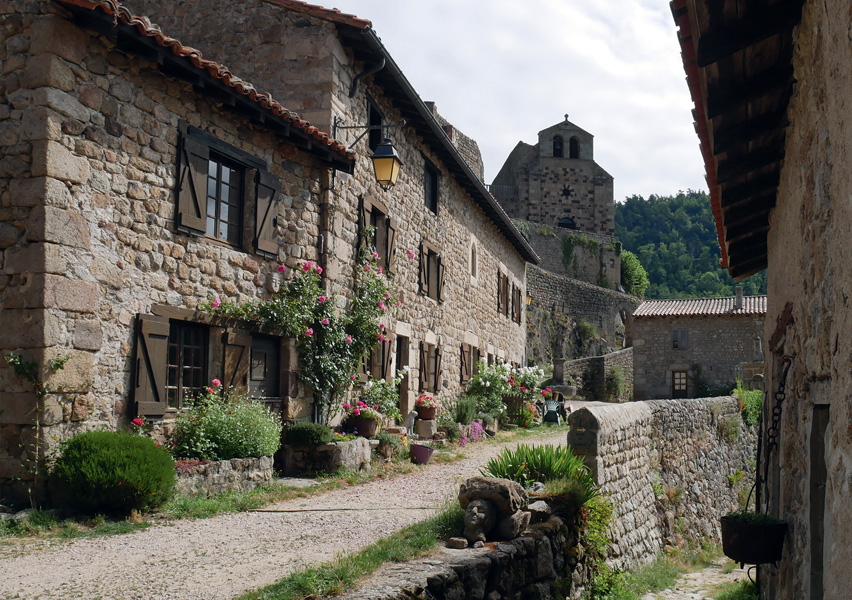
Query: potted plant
[(426, 406), (752, 538), (420, 453), (362, 419)]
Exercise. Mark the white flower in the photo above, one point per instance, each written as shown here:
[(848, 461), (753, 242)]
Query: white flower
[(368, 385), (487, 384), (382, 380)]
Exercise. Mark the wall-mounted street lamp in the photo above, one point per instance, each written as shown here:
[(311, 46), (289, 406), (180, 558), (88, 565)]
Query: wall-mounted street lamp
[(386, 160), (529, 299)]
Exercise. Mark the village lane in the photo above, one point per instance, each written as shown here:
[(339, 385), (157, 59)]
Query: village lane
[(224, 556)]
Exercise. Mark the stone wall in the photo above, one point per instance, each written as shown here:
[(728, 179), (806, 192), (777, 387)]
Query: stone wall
[(717, 345), (558, 303), (352, 455), (671, 467), (808, 314), (466, 145), (546, 563), (218, 477), (592, 373)]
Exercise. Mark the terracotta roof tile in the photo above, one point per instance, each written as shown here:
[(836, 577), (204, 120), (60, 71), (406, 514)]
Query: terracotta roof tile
[(701, 307), (332, 14), (144, 26)]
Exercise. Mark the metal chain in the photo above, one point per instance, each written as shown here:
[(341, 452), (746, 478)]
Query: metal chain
[(780, 395)]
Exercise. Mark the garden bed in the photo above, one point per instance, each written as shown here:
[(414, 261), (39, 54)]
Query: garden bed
[(215, 477)]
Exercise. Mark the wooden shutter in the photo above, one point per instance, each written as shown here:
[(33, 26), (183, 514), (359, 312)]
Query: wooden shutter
[(465, 366), (391, 245), (436, 376), (387, 358), (499, 292), (192, 184), (365, 367), (683, 338), (424, 269), (365, 209), (149, 378), (268, 193), (506, 295), (237, 360), (424, 368), (442, 290)]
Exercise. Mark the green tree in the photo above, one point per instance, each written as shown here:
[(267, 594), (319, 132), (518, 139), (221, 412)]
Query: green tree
[(634, 278)]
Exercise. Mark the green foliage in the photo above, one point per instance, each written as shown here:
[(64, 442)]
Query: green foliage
[(488, 386), (743, 590), (114, 472), (729, 428), (585, 332), (674, 238), (461, 410), (634, 277), (384, 395), (308, 434), (751, 402), (526, 464), (546, 231), (615, 383), (523, 227), (399, 449), (220, 426)]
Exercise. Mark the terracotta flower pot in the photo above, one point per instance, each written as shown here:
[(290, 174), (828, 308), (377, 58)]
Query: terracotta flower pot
[(753, 543), (427, 412), (420, 455), (362, 426)]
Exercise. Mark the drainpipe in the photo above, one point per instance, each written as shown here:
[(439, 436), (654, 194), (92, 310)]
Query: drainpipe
[(353, 89)]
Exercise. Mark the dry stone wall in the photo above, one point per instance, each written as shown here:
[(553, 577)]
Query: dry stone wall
[(218, 477), (581, 255), (671, 468), (593, 372)]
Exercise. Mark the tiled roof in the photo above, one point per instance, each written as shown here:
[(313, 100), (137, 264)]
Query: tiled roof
[(144, 26), (701, 307), (332, 14)]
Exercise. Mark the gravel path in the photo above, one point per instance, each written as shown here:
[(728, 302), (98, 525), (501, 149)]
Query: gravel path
[(222, 557), (703, 584)]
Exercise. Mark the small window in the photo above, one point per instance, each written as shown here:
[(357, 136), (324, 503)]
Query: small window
[(473, 259), (430, 367), (224, 199), (264, 369), (567, 223), (680, 339), (558, 145), (374, 214), (430, 187), (469, 364), (680, 383), (574, 147), (432, 272), (376, 120), (503, 294), (186, 366)]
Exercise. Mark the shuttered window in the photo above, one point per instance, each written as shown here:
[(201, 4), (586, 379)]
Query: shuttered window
[(186, 365), (517, 307), (503, 294), (430, 187), (373, 214), (378, 362), (432, 273), (680, 339), (430, 367), (469, 362)]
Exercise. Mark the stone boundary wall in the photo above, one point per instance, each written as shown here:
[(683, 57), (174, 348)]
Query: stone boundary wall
[(217, 477), (671, 468), (594, 256), (546, 562), (593, 371)]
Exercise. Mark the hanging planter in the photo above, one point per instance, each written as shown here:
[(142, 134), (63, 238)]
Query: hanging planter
[(753, 539)]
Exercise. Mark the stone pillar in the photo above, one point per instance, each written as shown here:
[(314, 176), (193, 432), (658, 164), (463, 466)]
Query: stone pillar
[(558, 371)]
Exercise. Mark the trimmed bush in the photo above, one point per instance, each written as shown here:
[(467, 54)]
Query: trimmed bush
[(114, 473), (308, 434)]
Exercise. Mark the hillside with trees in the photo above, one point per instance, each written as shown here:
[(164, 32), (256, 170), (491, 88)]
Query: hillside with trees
[(674, 238)]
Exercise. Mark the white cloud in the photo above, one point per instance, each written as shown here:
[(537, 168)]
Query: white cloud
[(501, 71)]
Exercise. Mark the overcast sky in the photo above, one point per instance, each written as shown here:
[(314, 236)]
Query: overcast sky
[(503, 70)]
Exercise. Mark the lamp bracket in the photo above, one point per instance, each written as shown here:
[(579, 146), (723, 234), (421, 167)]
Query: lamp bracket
[(366, 128)]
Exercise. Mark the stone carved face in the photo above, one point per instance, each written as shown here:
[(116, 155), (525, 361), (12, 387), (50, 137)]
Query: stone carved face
[(479, 519)]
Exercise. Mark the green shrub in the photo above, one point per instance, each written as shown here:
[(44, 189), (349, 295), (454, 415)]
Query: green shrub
[(751, 403), (222, 426), (526, 464), (488, 386), (110, 472), (463, 410), (399, 449), (615, 383), (634, 277), (308, 434), (450, 427)]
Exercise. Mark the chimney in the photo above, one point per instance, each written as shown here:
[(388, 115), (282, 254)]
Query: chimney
[(738, 303)]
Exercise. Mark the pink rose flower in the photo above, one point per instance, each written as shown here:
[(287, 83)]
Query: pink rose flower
[(352, 377), (367, 268), (376, 406), (375, 254), (309, 332), (387, 295), (324, 321), (318, 270), (349, 341), (138, 422), (382, 306), (210, 390), (356, 412), (281, 268), (381, 326), (216, 302), (307, 266), (321, 298), (216, 383), (398, 303), (410, 253), (346, 405)]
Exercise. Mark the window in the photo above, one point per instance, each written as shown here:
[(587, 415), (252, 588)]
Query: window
[(558, 143), (503, 294), (376, 120), (430, 187), (264, 370), (432, 273), (473, 261), (186, 364), (430, 367), (373, 214), (679, 384), (211, 199), (517, 306), (469, 364), (680, 338), (378, 362), (567, 223), (574, 148)]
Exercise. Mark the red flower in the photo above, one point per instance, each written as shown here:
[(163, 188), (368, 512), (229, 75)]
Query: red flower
[(138, 422)]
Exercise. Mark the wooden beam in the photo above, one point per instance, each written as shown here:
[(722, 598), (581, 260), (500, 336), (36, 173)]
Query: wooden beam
[(752, 161), (758, 25), (743, 133), (755, 225), (742, 270), (759, 186), (725, 99), (739, 214), (746, 250)]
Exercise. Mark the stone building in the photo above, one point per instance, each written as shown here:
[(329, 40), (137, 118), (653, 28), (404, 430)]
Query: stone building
[(109, 132), (689, 348), (771, 85)]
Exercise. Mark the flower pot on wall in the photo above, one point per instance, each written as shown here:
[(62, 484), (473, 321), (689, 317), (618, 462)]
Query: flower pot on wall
[(753, 543), (420, 454), (427, 412), (363, 427)]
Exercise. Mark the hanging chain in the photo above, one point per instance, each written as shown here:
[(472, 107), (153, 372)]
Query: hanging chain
[(780, 395)]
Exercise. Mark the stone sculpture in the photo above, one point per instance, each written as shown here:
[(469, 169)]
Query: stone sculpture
[(488, 501)]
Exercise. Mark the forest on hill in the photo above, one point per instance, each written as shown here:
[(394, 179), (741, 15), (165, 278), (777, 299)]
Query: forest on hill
[(675, 240)]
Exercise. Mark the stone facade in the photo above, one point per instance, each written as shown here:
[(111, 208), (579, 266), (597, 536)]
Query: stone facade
[(666, 467), (539, 185), (466, 145), (212, 478), (592, 373), (717, 347), (94, 254), (582, 255), (808, 315)]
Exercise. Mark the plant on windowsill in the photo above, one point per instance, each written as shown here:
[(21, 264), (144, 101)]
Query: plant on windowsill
[(331, 343), (752, 538)]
